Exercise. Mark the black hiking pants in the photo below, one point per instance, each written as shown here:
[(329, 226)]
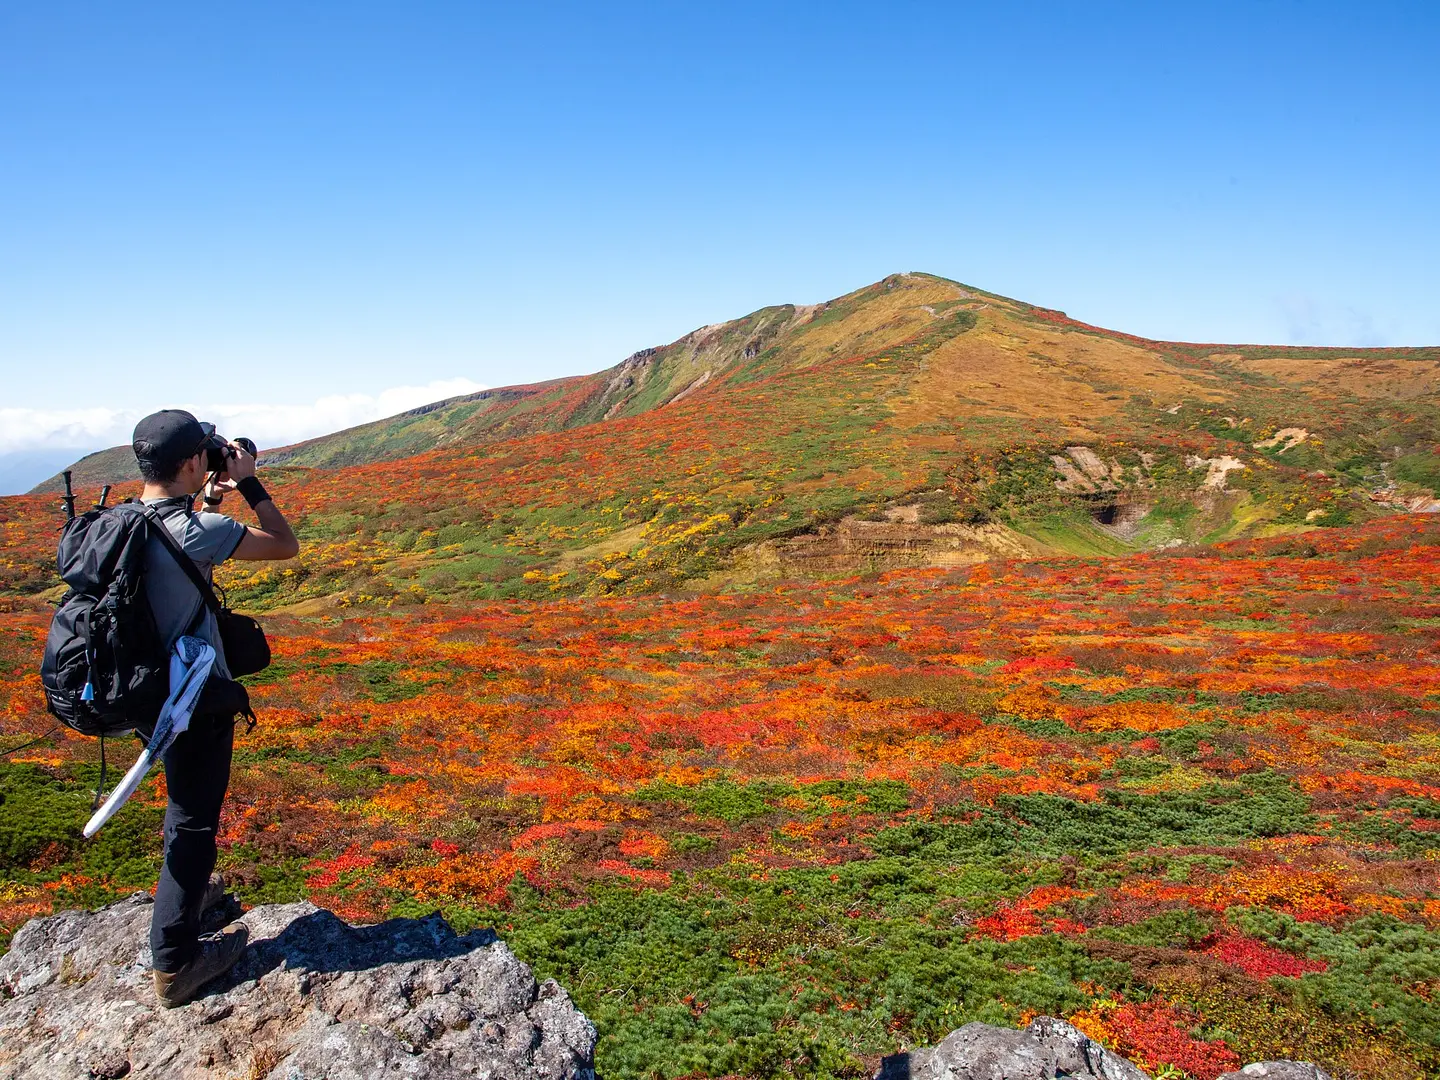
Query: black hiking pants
[(197, 774)]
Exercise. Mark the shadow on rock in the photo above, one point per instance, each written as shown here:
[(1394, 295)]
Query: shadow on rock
[(324, 944)]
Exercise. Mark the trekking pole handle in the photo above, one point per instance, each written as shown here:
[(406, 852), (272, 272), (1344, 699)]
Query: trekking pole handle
[(68, 499)]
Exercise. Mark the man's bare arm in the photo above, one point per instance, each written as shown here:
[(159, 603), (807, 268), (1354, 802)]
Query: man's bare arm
[(272, 540)]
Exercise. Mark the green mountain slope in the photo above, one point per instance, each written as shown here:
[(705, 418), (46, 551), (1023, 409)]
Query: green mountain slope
[(115, 465)]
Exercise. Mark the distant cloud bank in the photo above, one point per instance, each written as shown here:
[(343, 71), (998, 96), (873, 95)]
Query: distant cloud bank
[(1310, 322), (269, 424), (36, 443)]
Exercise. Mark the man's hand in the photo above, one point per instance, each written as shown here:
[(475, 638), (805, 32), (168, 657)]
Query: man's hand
[(239, 464)]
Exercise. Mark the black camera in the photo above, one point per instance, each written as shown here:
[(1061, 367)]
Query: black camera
[(218, 453)]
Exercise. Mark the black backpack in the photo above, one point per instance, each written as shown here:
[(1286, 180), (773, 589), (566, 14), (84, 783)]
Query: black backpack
[(106, 670)]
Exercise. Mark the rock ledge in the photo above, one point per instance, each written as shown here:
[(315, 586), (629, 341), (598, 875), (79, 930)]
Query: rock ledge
[(312, 998)]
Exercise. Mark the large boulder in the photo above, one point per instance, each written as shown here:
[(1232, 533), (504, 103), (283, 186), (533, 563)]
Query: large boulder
[(312, 999)]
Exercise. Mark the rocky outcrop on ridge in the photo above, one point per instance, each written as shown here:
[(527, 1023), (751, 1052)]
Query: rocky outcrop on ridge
[(1046, 1050), (312, 999)]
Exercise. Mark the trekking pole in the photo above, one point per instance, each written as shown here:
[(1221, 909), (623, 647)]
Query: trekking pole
[(68, 499), (104, 494)]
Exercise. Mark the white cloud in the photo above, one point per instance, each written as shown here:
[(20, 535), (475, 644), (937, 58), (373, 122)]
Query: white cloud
[(269, 424), (1311, 322), (37, 429)]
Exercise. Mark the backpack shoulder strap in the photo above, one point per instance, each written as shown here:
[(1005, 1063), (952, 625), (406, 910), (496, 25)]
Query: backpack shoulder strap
[(187, 564)]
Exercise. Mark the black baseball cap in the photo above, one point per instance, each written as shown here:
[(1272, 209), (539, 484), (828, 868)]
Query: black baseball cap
[(168, 437)]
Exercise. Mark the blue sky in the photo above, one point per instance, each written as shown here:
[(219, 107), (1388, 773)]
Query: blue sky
[(266, 205)]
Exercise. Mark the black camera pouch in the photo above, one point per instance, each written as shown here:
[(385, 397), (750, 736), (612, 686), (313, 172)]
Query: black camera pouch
[(246, 648)]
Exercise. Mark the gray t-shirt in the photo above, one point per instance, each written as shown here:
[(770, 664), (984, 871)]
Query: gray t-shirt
[(209, 539)]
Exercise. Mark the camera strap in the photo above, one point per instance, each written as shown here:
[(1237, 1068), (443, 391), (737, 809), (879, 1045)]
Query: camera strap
[(183, 560)]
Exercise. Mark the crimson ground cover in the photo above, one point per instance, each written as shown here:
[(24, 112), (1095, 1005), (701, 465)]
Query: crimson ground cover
[(1190, 800)]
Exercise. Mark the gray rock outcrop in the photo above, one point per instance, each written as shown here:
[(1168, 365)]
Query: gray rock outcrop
[(1277, 1070), (312, 999), (1046, 1050)]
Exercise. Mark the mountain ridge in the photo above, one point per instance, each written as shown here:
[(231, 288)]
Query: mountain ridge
[(916, 421), (468, 416)]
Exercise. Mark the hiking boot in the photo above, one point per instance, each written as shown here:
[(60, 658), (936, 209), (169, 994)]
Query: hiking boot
[(214, 956), (214, 892)]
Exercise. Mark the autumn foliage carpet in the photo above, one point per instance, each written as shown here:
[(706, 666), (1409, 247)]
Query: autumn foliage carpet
[(1190, 801)]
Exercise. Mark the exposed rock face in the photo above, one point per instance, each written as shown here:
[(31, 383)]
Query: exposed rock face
[(1047, 1049), (312, 999), (1085, 470), (1284, 439), (855, 544), (1215, 468), (1412, 504)]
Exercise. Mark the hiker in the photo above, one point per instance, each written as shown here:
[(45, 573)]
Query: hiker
[(176, 454)]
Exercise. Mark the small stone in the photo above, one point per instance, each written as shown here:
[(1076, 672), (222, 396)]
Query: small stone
[(110, 1066)]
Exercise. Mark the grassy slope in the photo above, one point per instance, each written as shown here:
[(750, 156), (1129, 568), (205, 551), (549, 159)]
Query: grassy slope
[(115, 465)]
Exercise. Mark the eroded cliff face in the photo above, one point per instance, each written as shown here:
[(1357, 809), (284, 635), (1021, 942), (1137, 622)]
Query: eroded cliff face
[(312, 998), (856, 544)]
